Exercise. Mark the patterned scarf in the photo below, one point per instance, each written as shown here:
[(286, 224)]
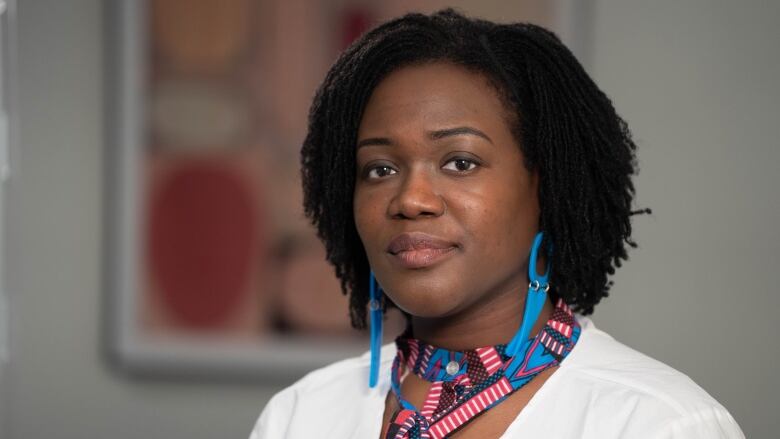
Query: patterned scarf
[(466, 384)]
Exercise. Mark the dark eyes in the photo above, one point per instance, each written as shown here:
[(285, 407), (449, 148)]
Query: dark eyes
[(380, 171), (458, 164)]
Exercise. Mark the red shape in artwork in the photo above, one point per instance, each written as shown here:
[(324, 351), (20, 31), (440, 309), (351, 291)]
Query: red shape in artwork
[(354, 23), (202, 233)]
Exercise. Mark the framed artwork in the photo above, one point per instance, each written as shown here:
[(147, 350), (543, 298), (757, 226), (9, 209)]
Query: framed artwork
[(211, 267)]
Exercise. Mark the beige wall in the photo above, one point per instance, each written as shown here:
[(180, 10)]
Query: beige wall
[(694, 80)]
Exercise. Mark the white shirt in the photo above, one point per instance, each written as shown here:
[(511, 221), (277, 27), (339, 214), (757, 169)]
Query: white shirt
[(603, 389)]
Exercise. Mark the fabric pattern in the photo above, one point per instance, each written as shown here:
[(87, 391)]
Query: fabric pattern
[(465, 384)]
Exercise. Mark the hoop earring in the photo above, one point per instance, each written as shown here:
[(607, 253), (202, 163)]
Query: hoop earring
[(375, 318), (538, 286)]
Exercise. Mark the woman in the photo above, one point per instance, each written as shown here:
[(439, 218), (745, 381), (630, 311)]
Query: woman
[(473, 176)]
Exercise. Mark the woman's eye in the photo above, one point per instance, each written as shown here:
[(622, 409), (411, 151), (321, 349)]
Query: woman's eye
[(460, 165), (380, 171)]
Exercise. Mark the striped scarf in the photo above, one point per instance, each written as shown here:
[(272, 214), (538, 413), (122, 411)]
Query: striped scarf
[(468, 383)]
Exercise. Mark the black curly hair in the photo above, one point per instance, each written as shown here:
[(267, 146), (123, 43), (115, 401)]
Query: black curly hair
[(568, 130)]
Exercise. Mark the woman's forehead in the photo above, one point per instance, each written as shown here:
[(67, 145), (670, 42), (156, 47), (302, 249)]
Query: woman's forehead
[(430, 96)]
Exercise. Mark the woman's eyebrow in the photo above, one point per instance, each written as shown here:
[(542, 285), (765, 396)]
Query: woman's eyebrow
[(458, 131), (433, 135), (379, 141)]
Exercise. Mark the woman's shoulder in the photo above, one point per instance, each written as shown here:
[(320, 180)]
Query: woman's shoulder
[(350, 374), (339, 390), (632, 390), (600, 358)]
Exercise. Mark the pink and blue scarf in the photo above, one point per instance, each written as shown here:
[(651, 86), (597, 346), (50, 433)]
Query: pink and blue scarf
[(466, 384)]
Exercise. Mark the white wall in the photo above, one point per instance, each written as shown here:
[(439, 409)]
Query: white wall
[(694, 79), (60, 387), (697, 82)]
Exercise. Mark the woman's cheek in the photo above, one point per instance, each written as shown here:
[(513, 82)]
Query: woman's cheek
[(367, 215)]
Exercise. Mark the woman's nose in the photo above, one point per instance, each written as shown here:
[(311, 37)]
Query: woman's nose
[(417, 197)]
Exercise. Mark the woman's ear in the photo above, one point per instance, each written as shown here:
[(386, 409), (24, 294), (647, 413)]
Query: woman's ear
[(534, 174), (534, 180)]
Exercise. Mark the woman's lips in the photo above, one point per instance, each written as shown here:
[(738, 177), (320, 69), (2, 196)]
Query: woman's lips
[(422, 258), (419, 250)]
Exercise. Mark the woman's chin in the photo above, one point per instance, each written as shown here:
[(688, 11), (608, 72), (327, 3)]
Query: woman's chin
[(429, 306), (430, 295)]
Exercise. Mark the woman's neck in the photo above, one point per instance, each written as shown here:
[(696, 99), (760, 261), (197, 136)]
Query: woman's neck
[(488, 324)]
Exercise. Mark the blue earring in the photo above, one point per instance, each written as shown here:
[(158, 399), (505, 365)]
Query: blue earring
[(538, 286), (375, 317)]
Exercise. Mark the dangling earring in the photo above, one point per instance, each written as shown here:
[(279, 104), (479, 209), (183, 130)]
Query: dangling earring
[(538, 286), (375, 317)]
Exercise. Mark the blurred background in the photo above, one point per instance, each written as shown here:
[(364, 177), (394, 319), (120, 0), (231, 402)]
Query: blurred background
[(155, 259)]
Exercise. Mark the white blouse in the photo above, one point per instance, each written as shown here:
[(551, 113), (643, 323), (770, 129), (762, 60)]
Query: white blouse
[(603, 389)]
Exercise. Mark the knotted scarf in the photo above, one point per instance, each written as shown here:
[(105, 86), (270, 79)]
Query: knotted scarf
[(465, 384)]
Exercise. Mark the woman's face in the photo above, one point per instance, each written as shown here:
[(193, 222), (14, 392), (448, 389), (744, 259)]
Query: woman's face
[(443, 203)]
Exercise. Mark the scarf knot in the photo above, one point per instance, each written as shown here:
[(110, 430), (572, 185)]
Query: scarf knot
[(465, 384)]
